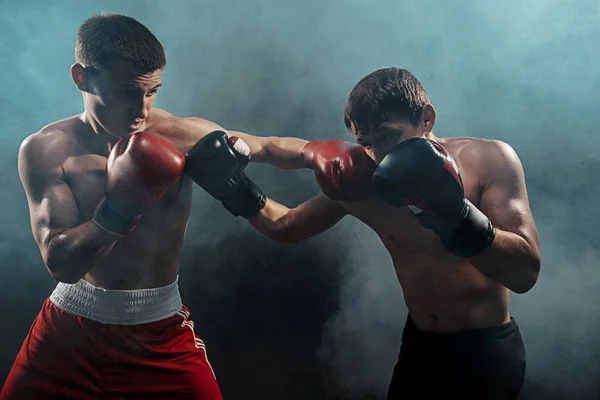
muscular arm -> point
(285, 225)
(282, 152)
(69, 249)
(513, 259)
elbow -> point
(61, 272)
(523, 287)
(533, 271)
(58, 268)
(64, 278)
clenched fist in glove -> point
(420, 173)
(139, 170)
(216, 163)
(344, 171)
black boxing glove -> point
(216, 163)
(421, 174)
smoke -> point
(324, 318)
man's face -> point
(120, 98)
(381, 140)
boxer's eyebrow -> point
(387, 130)
(129, 85)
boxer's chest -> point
(86, 176)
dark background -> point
(322, 319)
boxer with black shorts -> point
(453, 214)
(109, 203)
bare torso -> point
(443, 293)
(149, 256)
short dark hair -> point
(105, 37)
(382, 95)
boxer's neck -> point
(102, 138)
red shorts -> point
(70, 357)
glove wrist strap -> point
(247, 201)
(111, 219)
(474, 235)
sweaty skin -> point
(62, 168)
(443, 293)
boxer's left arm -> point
(513, 259)
(282, 152)
(292, 225)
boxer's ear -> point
(428, 116)
(78, 73)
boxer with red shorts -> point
(453, 214)
(109, 202)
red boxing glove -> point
(139, 170)
(344, 170)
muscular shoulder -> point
(41, 159)
(47, 148)
(54, 141)
(182, 132)
(171, 124)
(492, 159)
(496, 158)
(486, 151)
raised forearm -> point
(71, 253)
(310, 218)
(510, 261)
(272, 221)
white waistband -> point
(118, 307)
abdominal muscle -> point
(447, 294)
(443, 293)
(132, 266)
(149, 256)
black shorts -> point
(480, 364)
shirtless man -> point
(453, 214)
(111, 232)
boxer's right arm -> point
(69, 249)
(285, 225)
